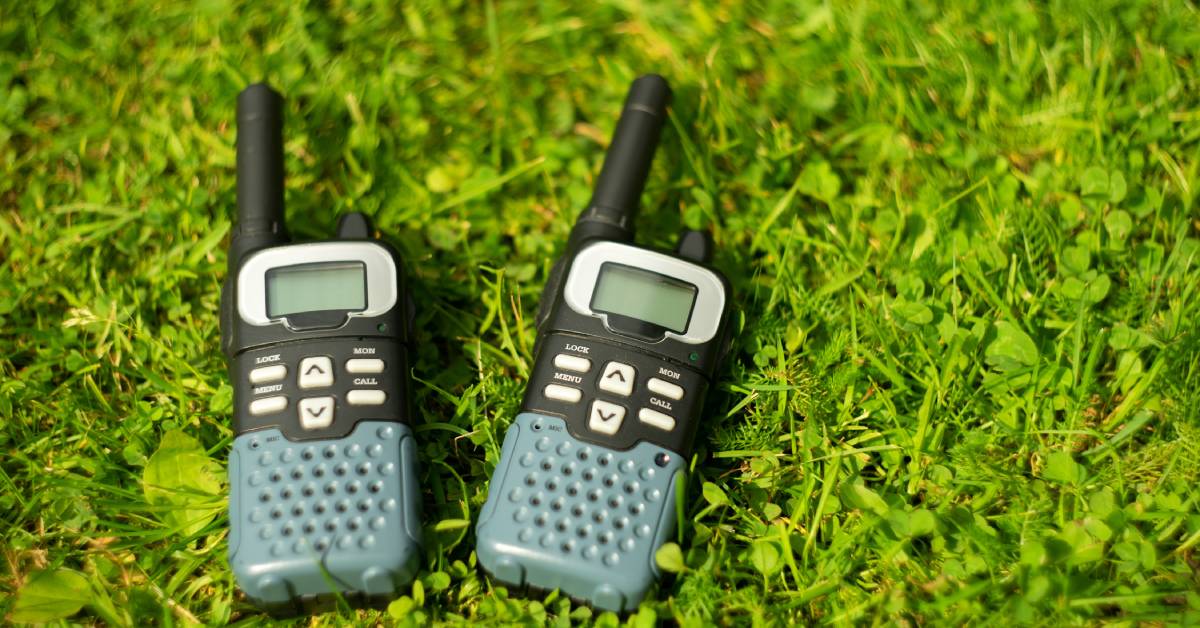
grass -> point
(964, 240)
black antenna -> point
(259, 171)
(614, 203)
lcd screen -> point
(316, 287)
(644, 295)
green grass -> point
(964, 241)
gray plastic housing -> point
(308, 519)
(577, 517)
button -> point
(665, 388)
(618, 378)
(657, 419)
(366, 397)
(364, 365)
(265, 374)
(316, 372)
(268, 405)
(568, 362)
(563, 393)
(316, 412)
(606, 417)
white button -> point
(563, 393)
(657, 419)
(265, 374)
(366, 397)
(316, 372)
(568, 362)
(664, 388)
(618, 378)
(268, 405)
(364, 365)
(606, 417)
(316, 412)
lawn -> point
(964, 242)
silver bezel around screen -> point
(710, 292)
(252, 279)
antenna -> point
(259, 171)
(614, 203)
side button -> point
(268, 405)
(366, 397)
(656, 419)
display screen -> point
(316, 287)
(644, 295)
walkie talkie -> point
(628, 343)
(323, 496)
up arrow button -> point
(617, 378)
(316, 372)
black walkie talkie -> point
(323, 494)
(628, 342)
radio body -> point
(629, 340)
(323, 493)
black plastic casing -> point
(388, 335)
(559, 325)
